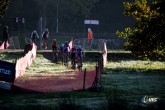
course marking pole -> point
(84, 79)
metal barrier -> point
(14, 43)
(95, 43)
(28, 40)
(97, 86)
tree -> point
(146, 37)
(84, 6)
(69, 12)
(3, 7)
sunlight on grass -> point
(137, 65)
(41, 64)
(124, 74)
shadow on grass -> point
(118, 100)
(125, 55)
(134, 70)
(113, 56)
(12, 56)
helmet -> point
(62, 45)
(66, 41)
(79, 47)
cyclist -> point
(79, 56)
(66, 49)
(55, 49)
(73, 57)
(62, 52)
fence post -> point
(84, 79)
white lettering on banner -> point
(4, 71)
(87, 21)
(96, 22)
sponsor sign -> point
(95, 22)
(7, 71)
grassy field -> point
(126, 80)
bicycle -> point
(79, 64)
(65, 59)
(44, 43)
(55, 55)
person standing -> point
(45, 36)
(5, 36)
(90, 37)
(34, 36)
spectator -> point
(5, 36)
(34, 36)
(45, 36)
(90, 37)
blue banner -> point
(7, 71)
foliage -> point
(3, 7)
(70, 12)
(71, 15)
(146, 37)
(84, 6)
(67, 11)
(79, 7)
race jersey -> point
(66, 46)
(79, 53)
(54, 43)
(62, 49)
(73, 53)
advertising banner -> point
(7, 71)
(95, 22)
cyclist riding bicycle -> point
(66, 49)
(62, 53)
(79, 56)
(73, 57)
(55, 49)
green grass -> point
(126, 79)
(137, 65)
